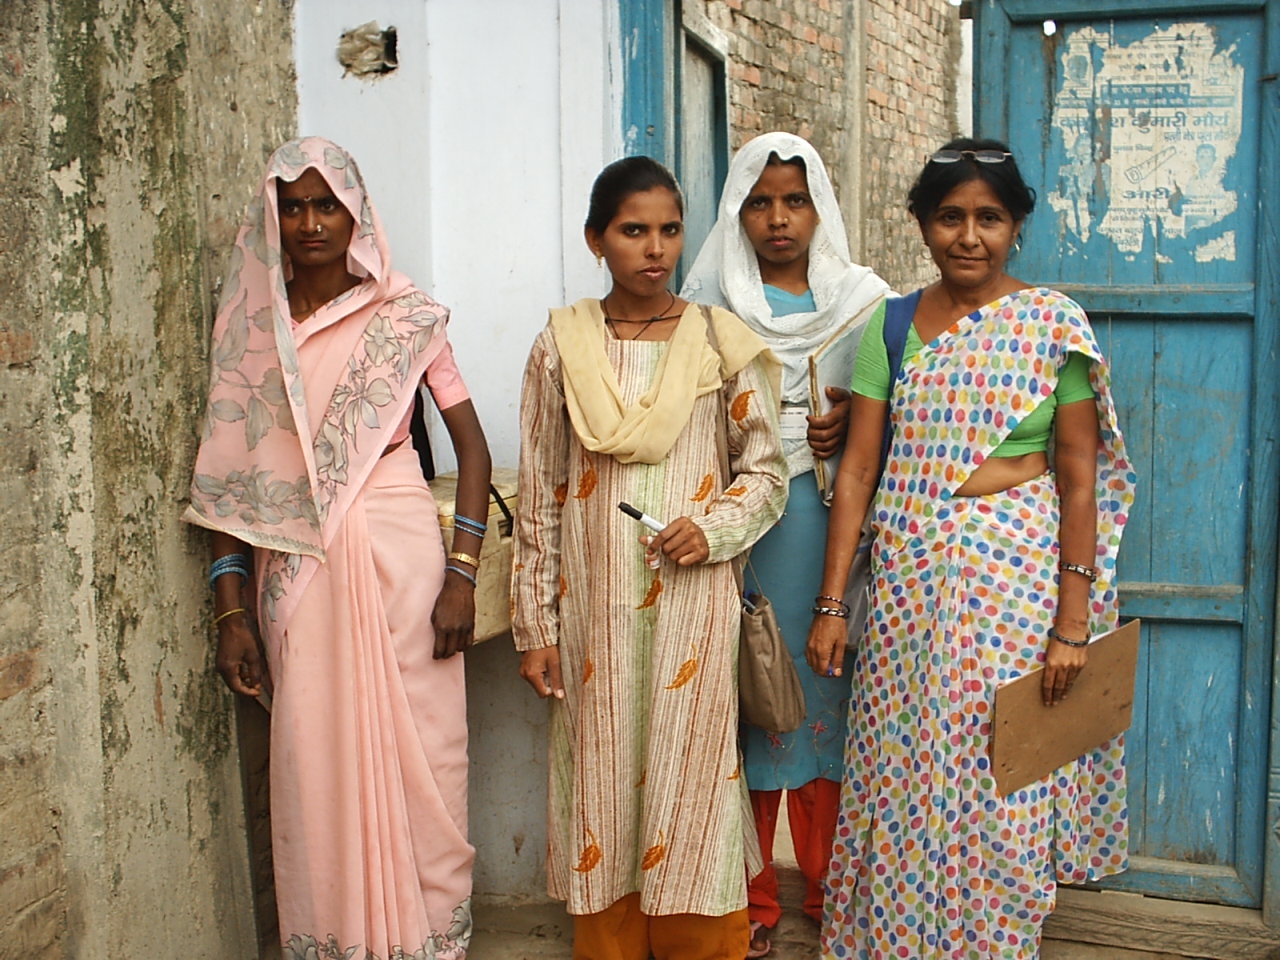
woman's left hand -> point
(454, 617)
(681, 540)
(827, 432)
(1062, 665)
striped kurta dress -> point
(646, 787)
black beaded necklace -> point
(644, 324)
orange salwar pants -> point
(621, 932)
(811, 811)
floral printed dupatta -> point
(284, 453)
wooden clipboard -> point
(1029, 740)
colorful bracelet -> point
(832, 612)
(465, 558)
(1089, 572)
(460, 572)
(1055, 635)
(467, 525)
(836, 600)
(229, 613)
(231, 563)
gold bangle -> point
(465, 558)
(230, 613)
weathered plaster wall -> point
(871, 83)
(32, 871)
(130, 134)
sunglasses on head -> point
(980, 156)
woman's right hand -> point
(238, 658)
(827, 432)
(825, 650)
(541, 668)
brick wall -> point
(912, 48)
(793, 65)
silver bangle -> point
(1090, 573)
(1055, 635)
(832, 612)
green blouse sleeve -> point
(1073, 380)
(871, 367)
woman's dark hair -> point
(620, 180)
(797, 161)
(937, 180)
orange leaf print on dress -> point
(741, 403)
(589, 859)
(651, 597)
(588, 669)
(586, 484)
(686, 671)
(704, 488)
(736, 491)
(564, 585)
(653, 856)
(562, 493)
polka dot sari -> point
(929, 862)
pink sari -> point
(368, 732)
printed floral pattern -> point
(929, 862)
(389, 348)
(269, 469)
(449, 945)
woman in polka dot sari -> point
(988, 564)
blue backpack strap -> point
(898, 314)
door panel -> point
(1144, 135)
(701, 164)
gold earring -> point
(599, 260)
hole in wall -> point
(368, 51)
(1050, 28)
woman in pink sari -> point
(318, 349)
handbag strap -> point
(722, 446)
(898, 314)
(502, 505)
(722, 437)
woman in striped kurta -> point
(650, 830)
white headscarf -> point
(727, 273)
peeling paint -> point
(68, 180)
(117, 136)
(1149, 128)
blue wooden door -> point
(674, 107)
(1150, 133)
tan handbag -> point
(769, 691)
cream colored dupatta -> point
(645, 431)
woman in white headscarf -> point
(778, 257)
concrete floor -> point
(545, 932)
(506, 931)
